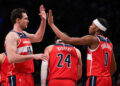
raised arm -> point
(85, 40)
(79, 66)
(11, 49)
(113, 64)
(38, 36)
(44, 67)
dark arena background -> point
(71, 16)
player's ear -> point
(17, 19)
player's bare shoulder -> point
(12, 35)
(49, 48)
(78, 52)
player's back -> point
(99, 60)
(63, 62)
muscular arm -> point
(79, 66)
(113, 65)
(85, 40)
(44, 67)
(11, 49)
(38, 36)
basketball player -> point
(101, 63)
(3, 69)
(65, 65)
(19, 49)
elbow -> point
(39, 39)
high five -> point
(101, 63)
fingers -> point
(44, 57)
(50, 12)
(50, 18)
(42, 12)
(42, 8)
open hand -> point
(42, 12)
(50, 18)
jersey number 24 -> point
(66, 60)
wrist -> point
(51, 25)
(43, 20)
(32, 56)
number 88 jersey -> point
(99, 59)
(63, 62)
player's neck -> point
(17, 28)
(97, 33)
